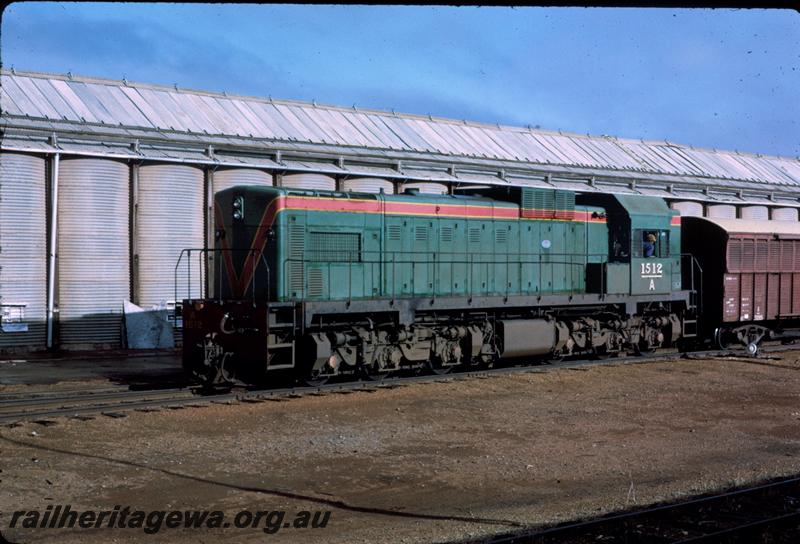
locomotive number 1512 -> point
(652, 270)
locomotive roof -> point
(409, 197)
(414, 197)
(95, 116)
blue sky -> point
(727, 79)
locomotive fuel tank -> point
(531, 337)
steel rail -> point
(88, 397)
(632, 527)
(41, 406)
(75, 391)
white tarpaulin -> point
(147, 329)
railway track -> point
(767, 512)
(86, 403)
(45, 407)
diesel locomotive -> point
(319, 284)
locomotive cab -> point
(643, 246)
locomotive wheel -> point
(556, 357)
(600, 353)
(439, 369)
(721, 338)
(643, 348)
(369, 374)
(474, 364)
(315, 380)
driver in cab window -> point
(649, 245)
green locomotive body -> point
(324, 283)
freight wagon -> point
(320, 283)
(751, 277)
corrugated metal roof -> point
(167, 111)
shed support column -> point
(134, 240)
(211, 258)
(51, 278)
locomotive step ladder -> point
(275, 322)
(689, 324)
(689, 328)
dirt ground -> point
(421, 463)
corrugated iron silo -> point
(225, 178)
(721, 211)
(368, 185)
(426, 187)
(23, 250)
(688, 208)
(93, 250)
(757, 213)
(169, 219)
(784, 214)
(319, 182)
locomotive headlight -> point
(238, 208)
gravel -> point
(423, 463)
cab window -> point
(651, 243)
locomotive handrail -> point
(432, 261)
(695, 289)
(203, 252)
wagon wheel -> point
(753, 340)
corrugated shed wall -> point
(784, 214)
(93, 250)
(721, 211)
(688, 208)
(309, 181)
(169, 219)
(426, 188)
(367, 185)
(225, 178)
(23, 250)
(754, 213)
